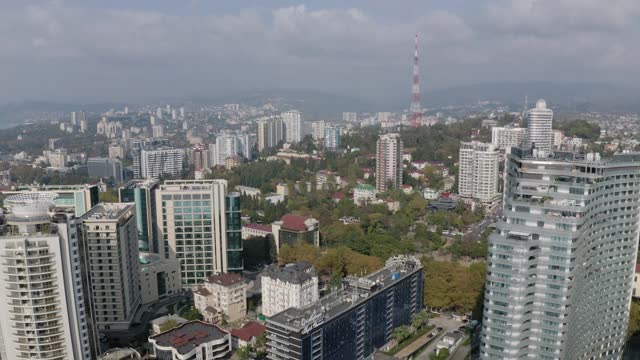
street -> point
(445, 322)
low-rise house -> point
(223, 295)
(252, 230)
(449, 341)
(247, 335)
(191, 340)
(364, 194)
(292, 229)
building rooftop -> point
(297, 222)
(120, 354)
(109, 211)
(354, 291)
(225, 279)
(250, 330)
(365, 187)
(295, 273)
(260, 227)
(188, 336)
(133, 184)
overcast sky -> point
(97, 50)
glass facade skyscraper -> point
(234, 233)
(561, 262)
(351, 323)
(142, 193)
(192, 227)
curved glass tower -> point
(561, 262)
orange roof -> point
(249, 330)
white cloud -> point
(298, 46)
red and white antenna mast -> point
(415, 110)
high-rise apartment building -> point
(332, 137)
(351, 117)
(192, 227)
(43, 312)
(539, 127)
(561, 261)
(294, 126)
(317, 130)
(106, 169)
(157, 131)
(389, 162)
(199, 157)
(161, 162)
(142, 194)
(353, 322)
(270, 132)
(505, 137)
(478, 172)
(227, 145)
(112, 265)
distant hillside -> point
(569, 96)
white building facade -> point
(294, 285)
(539, 127)
(506, 137)
(478, 172)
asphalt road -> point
(448, 324)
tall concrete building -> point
(294, 126)
(105, 168)
(539, 127)
(43, 310)
(317, 129)
(142, 194)
(157, 131)
(478, 172)
(199, 157)
(561, 261)
(270, 132)
(350, 117)
(161, 162)
(389, 162)
(332, 137)
(505, 137)
(112, 266)
(192, 227)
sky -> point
(132, 50)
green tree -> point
(192, 314)
(401, 333)
(443, 354)
(244, 352)
(420, 319)
(168, 325)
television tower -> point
(415, 110)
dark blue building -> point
(234, 232)
(352, 323)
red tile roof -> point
(638, 268)
(260, 227)
(294, 222)
(338, 195)
(225, 279)
(251, 329)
